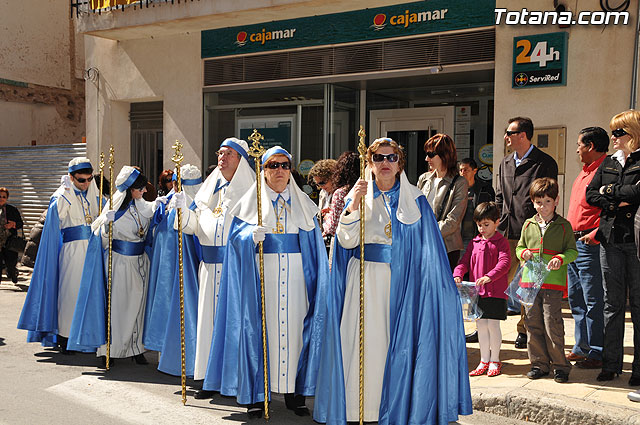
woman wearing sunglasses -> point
(131, 218)
(414, 349)
(615, 188)
(446, 192)
(49, 307)
(296, 276)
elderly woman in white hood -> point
(131, 216)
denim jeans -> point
(586, 299)
(620, 271)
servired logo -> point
(379, 21)
(241, 38)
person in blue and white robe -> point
(162, 311)
(415, 362)
(51, 300)
(131, 216)
(295, 280)
(209, 221)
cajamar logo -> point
(379, 21)
(263, 36)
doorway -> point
(411, 128)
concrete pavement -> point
(40, 385)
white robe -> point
(72, 209)
(376, 337)
(211, 231)
(128, 287)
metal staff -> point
(362, 149)
(177, 159)
(112, 161)
(101, 181)
(256, 152)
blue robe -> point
(426, 377)
(236, 359)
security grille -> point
(419, 52)
(32, 174)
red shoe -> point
(495, 371)
(480, 370)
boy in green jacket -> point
(549, 237)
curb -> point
(545, 408)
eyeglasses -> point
(378, 157)
(618, 132)
(512, 132)
(431, 154)
(273, 165)
(83, 180)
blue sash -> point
(212, 254)
(76, 233)
(375, 252)
(281, 243)
(128, 248)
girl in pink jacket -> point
(487, 260)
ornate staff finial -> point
(256, 150)
(177, 157)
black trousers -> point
(10, 259)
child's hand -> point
(527, 255)
(483, 280)
(457, 280)
(554, 264)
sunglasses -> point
(512, 132)
(4, 197)
(320, 183)
(82, 180)
(618, 132)
(274, 165)
(431, 154)
(378, 157)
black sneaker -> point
(561, 376)
(536, 373)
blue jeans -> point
(586, 299)
(620, 271)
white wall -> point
(598, 86)
(151, 69)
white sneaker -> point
(634, 395)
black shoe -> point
(561, 376)
(634, 381)
(536, 373)
(606, 375)
(203, 394)
(14, 276)
(521, 341)
(140, 359)
(472, 337)
(254, 411)
(297, 404)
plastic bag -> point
(469, 300)
(534, 272)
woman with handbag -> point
(446, 192)
(10, 222)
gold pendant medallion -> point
(217, 212)
(141, 232)
(387, 230)
(88, 219)
(279, 228)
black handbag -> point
(16, 243)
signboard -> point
(369, 24)
(540, 60)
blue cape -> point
(171, 357)
(40, 311)
(426, 377)
(235, 365)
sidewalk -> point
(582, 400)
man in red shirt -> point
(586, 296)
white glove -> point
(111, 216)
(66, 181)
(259, 233)
(161, 200)
(181, 200)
